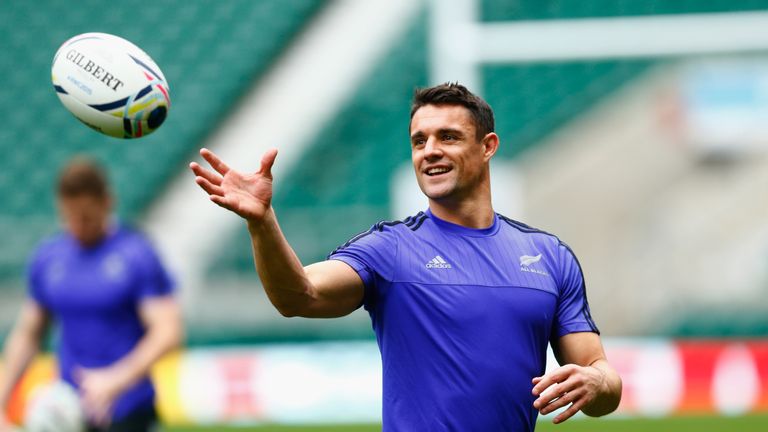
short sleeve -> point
(371, 254)
(573, 314)
(35, 271)
(152, 279)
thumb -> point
(266, 163)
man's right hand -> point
(248, 195)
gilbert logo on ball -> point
(110, 85)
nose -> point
(432, 149)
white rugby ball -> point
(54, 407)
(110, 85)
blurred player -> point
(113, 301)
(463, 300)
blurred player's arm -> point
(585, 381)
(161, 317)
(22, 345)
(325, 289)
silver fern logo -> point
(526, 261)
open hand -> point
(248, 195)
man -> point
(463, 300)
(105, 287)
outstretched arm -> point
(325, 289)
(586, 381)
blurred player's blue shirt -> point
(94, 294)
(463, 317)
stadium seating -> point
(210, 52)
(508, 10)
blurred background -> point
(637, 131)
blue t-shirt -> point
(463, 317)
(94, 293)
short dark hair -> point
(83, 176)
(456, 94)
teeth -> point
(433, 171)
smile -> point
(437, 171)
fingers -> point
(215, 192)
(543, 382)
(222, 168)
(214, 161)
(554, 397)
(553, 402)
(208, 187)
(266, 163)
(568, 413)
(570, 387)
(199, 171)
(222, 201)
(98, 414)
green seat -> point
(210, 52)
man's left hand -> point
(569, 384)
(99, 390)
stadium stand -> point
(510, 10)
(210, 53)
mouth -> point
(436, 171)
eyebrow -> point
(419, 134)
(450, 131)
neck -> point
(467, 214)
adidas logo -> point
(438, 263)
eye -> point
(418, 142)
(449, 137)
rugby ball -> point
(54, 407)
(110, 85)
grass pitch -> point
(751, 423)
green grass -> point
(279, 428)
(752, 423)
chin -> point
(438, 195)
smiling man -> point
(463, 301)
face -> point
(449, 160)
(86, 217)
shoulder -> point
(541, 239)
(385, 231)
(519, 229)
(411, 223)
(49, 246)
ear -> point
(490, 144)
